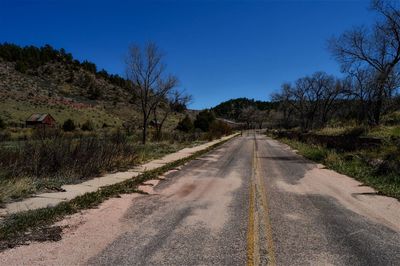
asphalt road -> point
(253, 201)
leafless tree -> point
(285, 107)
(247, 115)
(146, 71)
(167, 106)
(359, 88)
(331, 90)
(260, 116)
(377, 48)
(311, 98)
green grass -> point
(334, 131)
(384, 131)
(353, 164)
(156, 150)
(15, 228)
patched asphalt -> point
(197, 216)
(200, 215)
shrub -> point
(21, 67)
(185, 125)
(67, 158)
(219, 128)
(5, 135)
(43, 133)
(355, 132)
(204, 120)
(69, 125)
(392, 119)
(87, 126)
(2, 124)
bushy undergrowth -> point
(378, 168)
(383, 131)
(57, 160)
(219, 129)
(14, 228)
(52, 158)
(65, 156)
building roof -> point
(37, 117)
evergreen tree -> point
(204, 120)
(69, 125)
(185, 125)
(2, 124)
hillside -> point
(232, 109)
(46, 80)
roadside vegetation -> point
(46, 161)
(36, 225)
(103, 122)
(378, 167)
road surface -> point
(252, 201)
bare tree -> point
(260, 116)
(285, 107)
(359, 88)
(377, 48)
(331, 91)
(174, 100)
(247, 115)
(146, 71)
(312, 98)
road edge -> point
(23, 227)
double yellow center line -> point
(258, 217)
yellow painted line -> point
(267, 221)
(250, 230)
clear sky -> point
(218, 49)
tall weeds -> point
(72, 158)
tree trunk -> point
(378, 108)
(158, 132)
(144, 131)
(382, 80)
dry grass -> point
(46, 164)
(14, 111)
(382, 131)
(378, 168)
(14, 229)
(16, 188)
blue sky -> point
(218, 49)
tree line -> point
(232, 109)
(369, 58)
(29, 58)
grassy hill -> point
(46, 80)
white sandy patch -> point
(211, 196)
(350, 193)
(84, 235)
(148, 186)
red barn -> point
(40, 120)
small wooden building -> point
(40, 120)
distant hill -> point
(232, 109)
(47, 80)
